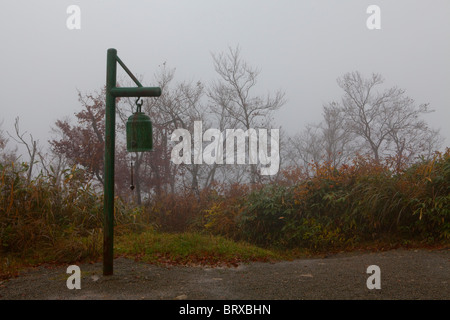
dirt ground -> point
(405, 274)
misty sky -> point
(301, 47)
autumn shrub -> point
(224, 207)
(262, 216)
(372, 201)
(337, 207)
(42, 213)
(369, 200)
(318, 220)
(426, 186)
(175, 212)
(413, 203)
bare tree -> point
(431, 141)
(189, 98)
(54, 166)
(381, 118)
(31, 146)
(7, 156)
(3, 139)
(413, 142)
(233, 95)
(337, 140)
(328, 141)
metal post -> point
(110, 125)
(110, 128)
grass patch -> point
(189, 249)
(149, 246)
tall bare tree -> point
(381, 117)
(383, 123)
(233, 95)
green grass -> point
(149, 246)
(189, 249)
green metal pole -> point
(110, 125)
(110, 129)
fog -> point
(301, 47)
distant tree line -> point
(382, 123)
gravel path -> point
(405, 274)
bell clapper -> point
(132, 183)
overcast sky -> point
(301, 47)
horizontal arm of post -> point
(136, 92)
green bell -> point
(139, 132)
